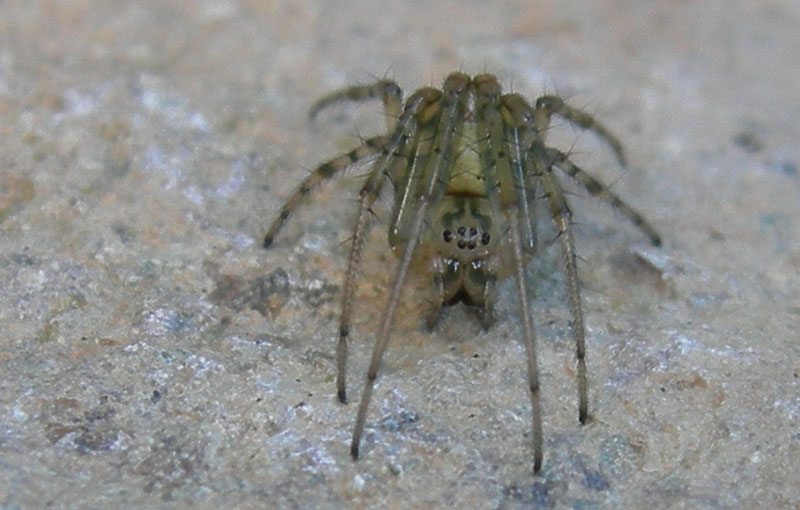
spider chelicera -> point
(467, 163)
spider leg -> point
(389, 92)
(499, 160)
(369, 148)
(598, 189)
(520, 114)
(449, 110)
(562, 216)
(392, 155)
(546, 106)
(409, 184)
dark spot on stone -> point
(400, 420)
(24, 259)
(749, 142)
(595, 480)
(789, 168)
(536, 495)
(123, 231)
(265, 294)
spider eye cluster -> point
(466, 238)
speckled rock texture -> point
(154, 355)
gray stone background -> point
(154, 355)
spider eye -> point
(485, 238)
(461, 244)
(447, 236)
(461, 231)
(473, 231)
(471, 245)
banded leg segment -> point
(546, 106)
(538, 120)
(408, 183)
(387, 90)
(370, 147)
(541, 163)
(517, 114)
(447, 110)
(499, 157)
(598, 189)
(394, 154)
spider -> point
(467, 163)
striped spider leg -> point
(466, 162)
(391, 95)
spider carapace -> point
(467, 163)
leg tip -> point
(342, 396)
(537, 465)
(267, 242)
(487, 319)
(354, 451)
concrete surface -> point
(153, 355)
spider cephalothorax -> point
(467, 162)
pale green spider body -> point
(466, 162)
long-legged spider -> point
(466, 162)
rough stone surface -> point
(154, 355)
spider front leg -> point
(439, 116)
(393, 156)
(499, 133)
